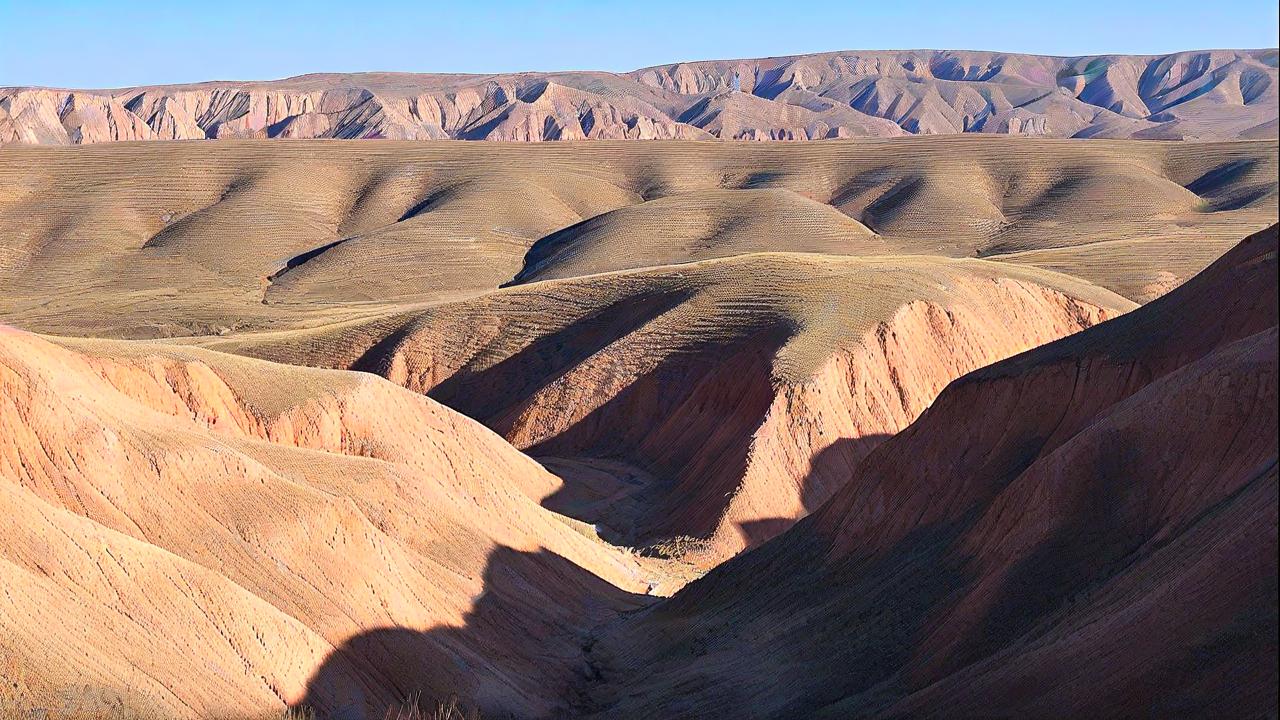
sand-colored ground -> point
(198, 532)
(679, 350)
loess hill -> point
(173, 239)
(702, 409)
(800, 370)
(197, 534)
(702, 340)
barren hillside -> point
(716, 402)
(175, 239)
(199, 533)
(1084, 530)
(702, 340)
(331, 425)
(236, 535)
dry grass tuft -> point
(450, 709)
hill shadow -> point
(754, 617)
(514, 656)
(484, 394)
(686, 426)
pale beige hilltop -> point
(1210, 94)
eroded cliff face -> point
(1069, 531)
(512, 108)
(816, 432)
(207, 535)
(1213, 94)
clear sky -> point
(112, 43)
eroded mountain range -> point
(1217, 94)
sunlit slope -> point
(197, 534)
(699, 225)
(1192, 95)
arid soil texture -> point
(906, 427)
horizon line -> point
(621, 73)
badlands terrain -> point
(963, 426)
(1211, 94)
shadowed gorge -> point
(394, 665)
(970, 567)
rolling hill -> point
(175, 239)
(877, 427)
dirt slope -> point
(695, 345)
(1212, 94)
(704, 407)
(1087, 529)
(198, 534)
(699, 225)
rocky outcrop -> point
(1086, 529)
(1193, 95)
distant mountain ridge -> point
(1212, 94)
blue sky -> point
(101, 43)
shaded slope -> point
(702, 408)
(731, 115)
(1087, 529)
(196, 533)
